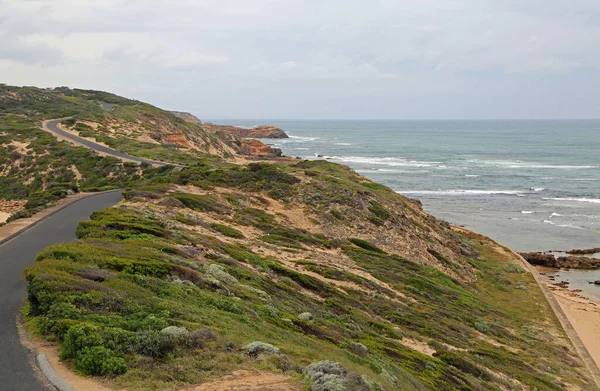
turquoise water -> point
(533, 185)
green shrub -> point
(79, 337)
(379, 211)
(227, 231)
(512, 268)
(99, 360)
(154, 343)
(202, 203)
(366, 245)
(336, 214)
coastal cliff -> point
(187, 117)
(265, 131)
(299, 268)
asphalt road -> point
(16, 366)
(53, 127)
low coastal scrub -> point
(227, 230)
(138, 296)
(218, 267)
(42, 170)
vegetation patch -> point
(227, 230)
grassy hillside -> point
(299, 267)
(290, 268)
(34, 166)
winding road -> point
(17, 371)
(52, 126)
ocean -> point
(532, 185)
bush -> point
(227, 231)
(154, 344)
(379, 211)
(332, 376)
(306, 317)
(78, 338)
(219, 272)
(177, 333)
(512, 268)
(358, 348)
(99, 360)
(198, 338)
(202, 203)
(258, 348)
(366, 245)
(336, 214)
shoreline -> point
(579, 330)
(583, 313)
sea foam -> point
(589, 200)
(461, 192)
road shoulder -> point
(12, 229)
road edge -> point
(50, 374)
(42, 218)
(44, 367)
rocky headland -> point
(571, 262)
(265, 131)
(258, 149)
(187, 117)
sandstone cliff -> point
(256, 132)
(187, 117)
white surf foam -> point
(384, 161)
(299, 138)
(522, 164)
(462, 192)
(563, 225)
(589, 200)
(527, 212)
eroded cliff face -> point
(175, 139)
(265, 131)
(257, 148)
(187, 117)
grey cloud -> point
(323, 57)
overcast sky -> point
(344, 59)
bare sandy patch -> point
(4, 216)
(419, 346)
(20, 147)
(250, 381)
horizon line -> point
(394, 119)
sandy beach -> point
(584, 315)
